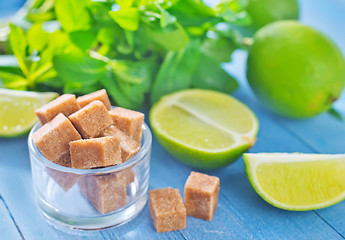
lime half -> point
(297, 181)
(17, 110)
(202, 128)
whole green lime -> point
(295, 70)
(263, 12)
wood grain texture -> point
(8, 227)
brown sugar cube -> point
(128, 146)
(65, 104)
(167, 210)
(128, 121)
(65, 180)
(201, 195)
(105, 192)
(53, 138)
(91, 119)
(95, 152)
(64, 159)
(127, 174)
(100, 95)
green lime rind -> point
(251, 175)
(198, 157)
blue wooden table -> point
(241, 213)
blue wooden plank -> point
(139, 228)
(8, 228)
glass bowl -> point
(91, 199)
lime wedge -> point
(17, 110)
(202, 128)
(297, 181)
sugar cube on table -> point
(91, 119)
(106, 192)
(201, 195)
(167, 209)
(53, 138)
(128, 121)
(100, 95)
(65, 104)
(129, 147)
(95, 152)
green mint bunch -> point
(137, 49)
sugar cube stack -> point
(85, 133)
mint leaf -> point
(336, 114)
(37, 38)
(73, 15)
(125, 3)
(19, 45)
(108, 36)
(83, 39)
(134, 78)
(175, 73)
(127, 18)
(81, 88)
(219, 48)
(133, 72)
(18, 41)
(78, 68)
(109, 82)
(210, 75)
(172, 37)
(13, 81)
(194, 7)
(166, 18)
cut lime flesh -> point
(202, 128)
(17, 110)
(297, 181)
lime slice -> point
(17, 110)
(297, 181)
(204, 129)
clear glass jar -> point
(91, 199)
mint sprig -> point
(133, 48)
